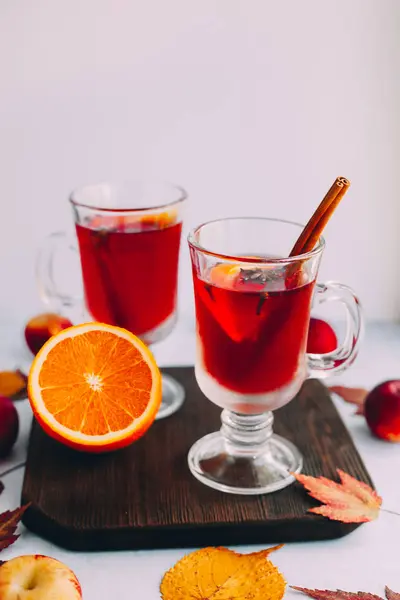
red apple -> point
(321, 337)
(382, 410)
(9, 426)
(41, 328)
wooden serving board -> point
(145, 496)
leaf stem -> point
(390, 512)
(12, 469)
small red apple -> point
(321, 337)
(9, 426)
(382, 410)
(41, 328)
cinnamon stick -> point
(313, 230)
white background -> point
(253, 106)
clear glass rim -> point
(180, 193)
(193, 243)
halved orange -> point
(95, 387)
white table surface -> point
(367, 559)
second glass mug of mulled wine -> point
(128, 238)
(252, 314)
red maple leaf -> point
(341, 595)
(8, 524)
(350, 501)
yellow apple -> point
(36, 577)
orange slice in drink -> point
(159, 220)
(95, 387)
(225, 275)
(228, 299)
(137, 222)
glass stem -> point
(246, 434)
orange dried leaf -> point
(350, 501)
(221, 574)
(8, 524)
(336, 594)
(13, 384)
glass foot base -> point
(173, 395)
(213, 463)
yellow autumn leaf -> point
(221, 574)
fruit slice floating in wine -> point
(230, 286)
(132, 223)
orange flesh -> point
(84, 391)
(157, 220)
(224, 275)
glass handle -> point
(48, 281)
(325, 365)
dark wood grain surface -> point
(145, 497)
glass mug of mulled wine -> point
(128, 238)
(252, 315)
